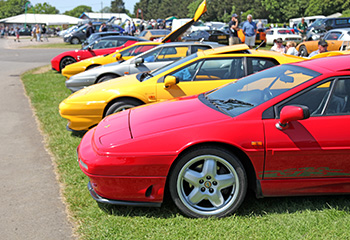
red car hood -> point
(154, 118)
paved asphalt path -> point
(30, 204)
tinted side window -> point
(258, 64)
(330, 98)
(172, 53)
(225, 68)
(187, 73)
(196, 48)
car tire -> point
(200, 191)
(303, 51)
(106, 78)
(75, 40)
(122, 105)
(66, 61)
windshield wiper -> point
(144, 75)
(236, 101)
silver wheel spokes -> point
(202, 181)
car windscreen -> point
(251, 91)
(170, 66)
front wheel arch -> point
(303, 51)
(239, 153)
(92, 66)
(121, 99)
(108, 75)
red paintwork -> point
(132, 150)
(79, 55)
(291, 113)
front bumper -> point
(100, 199)
(81, 117)
(74, 84)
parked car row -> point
(264, 132)
(216, 121)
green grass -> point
(55, 45)
(326, 217)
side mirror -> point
(292, 113)
(118, 56)
(170, 81)
(138, 61)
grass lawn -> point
(325, 217)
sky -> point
(96, 5)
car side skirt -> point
(301, 187)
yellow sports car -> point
(131, 51)
(199, 72)
(305, 48)
(123, 54)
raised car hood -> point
(174, 35)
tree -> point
(76, 12)
(326, 7)
(118, 6)
(44, 8)
(11, 8)
(106, 10)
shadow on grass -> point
(251, 206)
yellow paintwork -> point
(333, 45)
(81, 66)
(86, 107)
(200, 10)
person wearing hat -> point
(322, 47)
(278, 46)
(233, 28)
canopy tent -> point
(48, 19)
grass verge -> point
(326, 217)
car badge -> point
(207, 184)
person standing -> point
(249, 30)
(38, 32)
(43, 31)
(128, 28)
(233, 27)
(17, 34)
(33, 33)
(103, 27)
(302, 27)
(89, 30)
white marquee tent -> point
(48, 19)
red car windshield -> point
(246, 93)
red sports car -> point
(281, 132)
(102, 46)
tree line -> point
(277, 11)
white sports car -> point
(284, 33)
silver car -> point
(147, 61)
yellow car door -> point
(199, 76)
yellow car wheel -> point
(122, 105)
